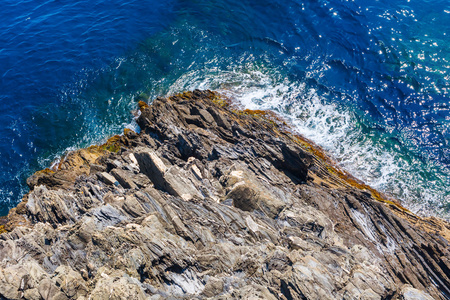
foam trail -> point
(333, 127)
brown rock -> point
(214, 203)
(123, 178)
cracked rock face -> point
(207, 202)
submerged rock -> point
(209, 202)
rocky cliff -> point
(211, 202)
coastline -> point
(272, 176)
(280, 126)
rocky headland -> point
(208, 201)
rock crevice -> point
(211, 202)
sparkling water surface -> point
(366, 80)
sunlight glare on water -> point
(368, 81)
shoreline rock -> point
(212, 202)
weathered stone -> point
(117, 288)
(71, 282)
(177, 183)
(249, 195)
(133, 207)
(220, 119)
(48, 290)
(206, 202)
(213, 287)
(141, 181)
(107, 215)
(107, 178)
(32, 294)
(151, 165)
(123, 179)
(410, 293)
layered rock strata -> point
(208, 202)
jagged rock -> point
(213, 287)
(107, 178)
(249, 195)
(152, 166)
(71, 282)
(123, 178)
(117, 287)
(48, 290)
(210, 202)
(410, 293)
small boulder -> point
(249, 194)
(123, 178)
(409, 293)
(107, 178)
(213, 287)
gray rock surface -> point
(211, 202)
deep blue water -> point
(367, 80)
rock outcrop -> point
(208, 202)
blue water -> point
(366, 80)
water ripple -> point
(368, 81)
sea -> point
(367, 80)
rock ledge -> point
(211, 202)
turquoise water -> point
(366, 80)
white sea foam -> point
(333, 127)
